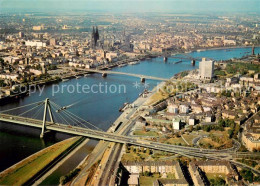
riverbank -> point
(26, 169)
(64, 160)
(223, 48)
(102, 152)
(94, 107)
(141, 58)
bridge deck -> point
(101, 135)
(124, 73)
(112, 137)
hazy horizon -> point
(131, 6)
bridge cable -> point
(20, 107)
(63, 119)
(78, 117)
(30, 110)
(75, 120)
(61, 115)
(70, 117)
(84, 121)
(37, 112)
(58, 116)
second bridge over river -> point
(142, 77)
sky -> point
(180, 6)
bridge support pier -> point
(142, 79)
(104, 75)
(46, 107)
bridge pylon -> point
(46, 107)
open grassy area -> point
(189, 137)
(143, 133)
(220, 143)
(160, 154)
(156, 97)
(174, 141)
(134, 156)
(215, 175)
(27, 168)
(208, 143)
(147, 180)
(171, 176)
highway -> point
(110, 167)
(121, 138)
(101, 135)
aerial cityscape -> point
(149, 93)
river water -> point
(99, 108)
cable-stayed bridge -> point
(48, 115)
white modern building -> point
(176, 123)
(173, 109)
(35, 44)
(206, 69)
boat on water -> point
(122, 65)
(178, 62)
(134, 63)
(86, 75)
(121, 109)
(77, 77)
(62, 108)
(64, 80)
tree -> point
(146, 173)
(247, 175)
(126, 148)
(148, 151)
(230, 133)
(217, 182)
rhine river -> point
(101, 109)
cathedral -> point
(94, 37)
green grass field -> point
(175, 141)
(143, 133)
(27, 168)
(189, 137)
(146, 181)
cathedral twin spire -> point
(95, 35)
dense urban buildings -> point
(127, 96)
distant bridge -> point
(143, 77)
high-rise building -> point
(206, 69)
(21, 34)
(53, 41)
